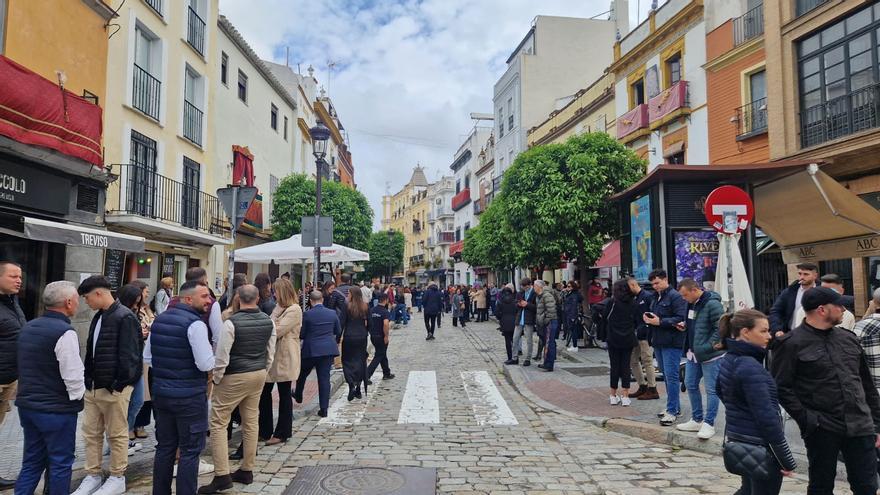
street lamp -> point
(390, 233)
(319, 134)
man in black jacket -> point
(11, 321)
(825, 384)
(525, 320)
(113, 364)
(784, 308)
(643, 354)
(433, 304)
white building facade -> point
(442, 231)
(464, 167)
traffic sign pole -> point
(729, 210)
(231, 270)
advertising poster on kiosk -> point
(696, 255)
(640, 233)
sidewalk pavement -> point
(140, 465)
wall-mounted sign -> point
(24, 185)
(640, 233)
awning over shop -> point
(812, 217)
(610, 255)
(76, 235)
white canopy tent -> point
(291, 250)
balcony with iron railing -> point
(844, 115)
(804, 6)
(439, 214)
(445, 238)
(418, 260)
(164, 203)
(192, 123)
(146, 92)
(479, 206)
(751, 119)
(195, 32)
(461, 199)
(155, 5)
(748, 26)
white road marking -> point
(345, 413)
(490, 408)
(421, 402)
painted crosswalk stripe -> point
(421, 402)
(490, 408)
(345, 413)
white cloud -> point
(408, 72)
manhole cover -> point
(349, 480)
(587, 371)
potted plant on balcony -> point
(428, 264)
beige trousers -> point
(7, 395)
(106, 412)
(643, 354)
(240, 390)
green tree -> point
(556, 198)
(386, 253)
(491, 242)
(295, 197)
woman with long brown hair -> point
(264, 284)
(354, 344)
(285, 367)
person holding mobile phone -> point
(667, 310)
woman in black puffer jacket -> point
(506, 310)
(749, 394)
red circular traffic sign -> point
(729, 209)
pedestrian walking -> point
(11, 320)
(642, 359)
(825, 384)
(481, 303)
(571, 306)
(668, 309)
(113, 365)
(50, 391)
(320, 330)
(287, 317)
(459, 308)
(163, 295)
(505, 312)
(753, 419)
(354, 345)
(783, 313)
(380, 336)
(525, 318)
(623, 317)
(180, 356)
(493, 294)
(433, 309)
(546, 318)
(245, 351)
(408, 302)
(704, 312)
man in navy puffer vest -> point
(181, 356)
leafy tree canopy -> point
(295, 197)
(386, 253)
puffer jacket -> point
(546, 308)
(11, 321)
(703, 327)
(750, 400)
(672, 310)
(571, 304)
(506, 311)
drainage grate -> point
(350, 480)
(587, 371)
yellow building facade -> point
(407, 212)
(589, 110)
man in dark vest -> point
(113, 364)
(211, 317)
(50, 391)
(245, 351)
(181, 356)
(11, 321)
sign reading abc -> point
(854, 247)
(22, 184)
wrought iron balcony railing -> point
(751, 119)
(748, 26)
(192, 123)
(847, 114)
(804, 6)
(155, 5)
(146, 92)
(195, 31)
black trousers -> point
(284, 429)
(760, 487)
(508, 343)
(539, 331)
(380, 357)
(859, 456)
(458, 319)
(181, 424)
(620, 371)
(431, 322)
(322, 364)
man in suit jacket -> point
(782, 313)
(320, 330)
(525, 321)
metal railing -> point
(155, 5)
(141, 191)
(804, 6)
(841, 116)
(496, 183)
(479, 207)
(445, 237)
(748, 26)
(417, 260)
(192, 123)
(195, 32)
(146, 92)
(751, 118)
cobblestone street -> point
(469, 443)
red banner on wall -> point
(36, 111)
(668, 101)
(631, 121)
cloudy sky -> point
(407, 73)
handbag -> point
(750, 457)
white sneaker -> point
(90, 484)
(625, 401)
(707, 431)
(668, 419)
(205, 468)
(691, 425)
(115, 485)
(572, 349)
(133, 447)
(614, 400)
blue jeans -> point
(401, 314)
(180, 424)
(49, 440)
(669, 358)
(550, 334)
(137, 400)
(693, 373)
